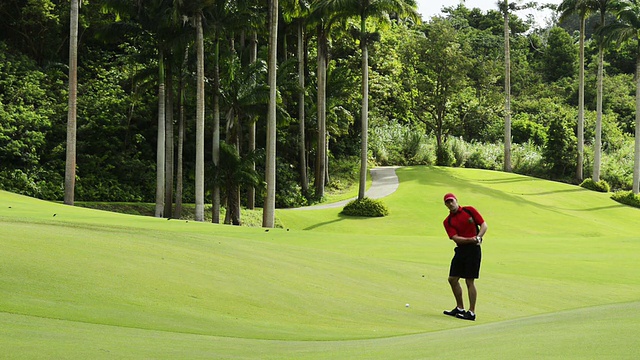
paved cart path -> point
(384, 182)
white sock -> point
(471, 312)
(459, 308)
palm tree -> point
(254, 17)
(582, 9)
(181, 125)
(602, 6)
(298, 12)
(160, 145)
(322, 29)
(70, 166)
(506, 8)
(244, 94)
(365, 9)
(628, 28)
(268, 212)
(217, 16)
(199, 190)
(154, 17)
(169, 148)
(235, 171)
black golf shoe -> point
(466, 315)
(455, 312)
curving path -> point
(384, 182)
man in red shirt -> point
(466, 227)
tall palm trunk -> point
(268, 213)
(365, 109)
(253, 57)
(70, 165)
(304, 183)
(636, 158)
(215, 208)
(597, 148)
(321, 108)
(507, 91)
(169, 149)
(160, 145)
(232, 188)
(579, 169)
(179, 175)
(199, 190)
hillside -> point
(558, 279)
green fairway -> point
(558, 280)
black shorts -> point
(466, 262)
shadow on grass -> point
(506, 181)
(556, 192)
(341, 217)
(601, 208)
(445, 178)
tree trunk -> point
(169, 155)
(268, 213)
(579, 169)
(253, 57)
(304, 183)
(70, 165)
(636, 158)
(215, 208)
(321, 108)
(179, 175)
(199, 190)
(597, 147)
(365, 111)
(160, 146)
(232, 188)
(507, 91)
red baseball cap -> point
(449, 196)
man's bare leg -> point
(473, 294)
(457, 290)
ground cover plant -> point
(558, 279)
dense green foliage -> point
(601, 186)
(366, 207)
(436, 95)
(627, 198)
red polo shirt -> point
(462, 223)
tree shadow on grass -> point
(556, 192)
(617, 206)
(341, 217)
(445, 178)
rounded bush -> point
(627, 198)
(365, 207)
(601, 186)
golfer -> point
(466, 227)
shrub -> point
(459, 151)
(523, 130)
(526, 159)
(411, 145)
(601, 186)
(627, 198)
(366, 207)
(560, 150)
(486, 156)
(617, 166)
(397, 144)
(444, 156)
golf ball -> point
(407, 305)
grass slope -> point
(558, 279)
